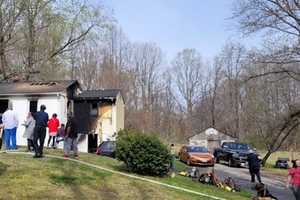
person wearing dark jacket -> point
(254, 167)
(71, 134)
(41, 120)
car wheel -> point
(217, 160)
(230, 163)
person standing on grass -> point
(70, 140)
(254, 167)
(294, 180)
(29, 131)
(53, 125)
(173, 168)
(10, 123)
(41, 122)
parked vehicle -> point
(107, 148)
(235, 154)
(282, 163)
(196, 155)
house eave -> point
(32, 94)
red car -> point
(196, 155)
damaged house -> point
(99, 113)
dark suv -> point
(235, 154)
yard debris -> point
(183, 173)
(210, 178)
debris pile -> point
(210, 178)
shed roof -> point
(99, 94)
(211, 133)
(35, 87)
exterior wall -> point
(106, 122)
(21, 107)
(120, 114)
(55, 104)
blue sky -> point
(178, 24)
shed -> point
(210, 138)
(63, 97)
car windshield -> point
(238, 146)
(195, 149)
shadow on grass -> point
(3, 168)
(66, 180)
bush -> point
(143, 154)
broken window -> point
(94, 109)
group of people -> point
(35, 131)
(293, 181)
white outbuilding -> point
(211, 139)
(63, 97)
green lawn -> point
(271, 162)
(25, 178)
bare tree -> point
(187, 67)
(10, 12)
(147, 58)
(277, 18)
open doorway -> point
(3, 105)
(33, 106)
(92, 143)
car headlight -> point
(236, 155)
(259, 157)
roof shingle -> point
(35, 87)
(98, 94)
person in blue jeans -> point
(10, 123)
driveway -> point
(275, 184)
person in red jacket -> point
(53, 125)
(294, 179)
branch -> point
(265, 74)
(71, 41)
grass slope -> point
(22, 177)
(272, 160)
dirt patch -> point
(107, 193)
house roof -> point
(99, 94)
(211, 133)
(35, 87)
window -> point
(94, 109)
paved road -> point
(275, 184)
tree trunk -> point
(266, 157)
(3, 61)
